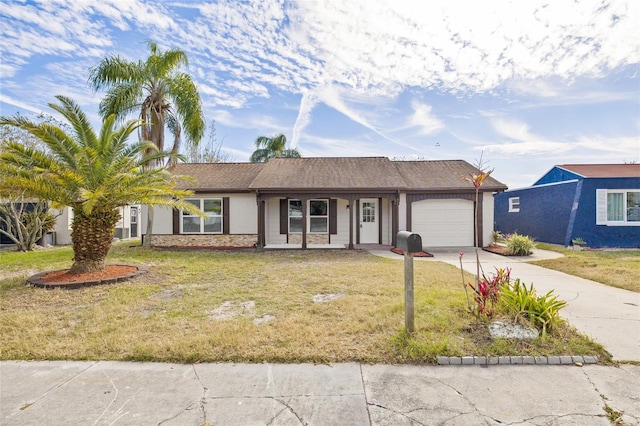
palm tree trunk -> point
(91, 237)
(149, 231)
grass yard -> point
(205, 306)
(620, 268)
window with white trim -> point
(192, 224)
(618, 207)
(317, 218)
(514, 204)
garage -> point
(443, 223)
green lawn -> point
(617, 268)
(247, 306)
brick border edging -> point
(36, 280)
(517, 360)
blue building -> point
(599, 203)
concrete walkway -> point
(123, 393)
(609, 315)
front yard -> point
(617, 268)
(285, 306)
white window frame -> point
(200, 205)
(309, 217)
(514, 204)
(602, 207)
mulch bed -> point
(418, 254)
(63, 279)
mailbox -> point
(408, 242)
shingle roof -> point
(329, 173)
(441, 175)
(217, 176)
(603, 170)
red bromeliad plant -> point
(487, 292)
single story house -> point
(127, 226)
(599, 203)
(327, 203)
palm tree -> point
(272, 147)
(93, 174)
(164, 97)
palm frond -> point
(188, 106)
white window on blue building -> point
(514, 204)
(618, 207)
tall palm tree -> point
(268, 147)
(164, 97)
(93, 174)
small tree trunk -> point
(91, 238)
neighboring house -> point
(599, 203)
(327, 202)
(127, 226)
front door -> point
(134, 222)
(369, 221)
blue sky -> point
(527, 85)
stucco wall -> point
(63, 226)
(603, 235)
(487, 217)
(544, 211)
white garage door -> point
(443, 223)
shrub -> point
(522, 302)
(519, 245)
(487, 291)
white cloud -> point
(424, 120)
(22, 105)
(377, 47)
(512, 129)
(308, 101)
(528, 148)
(522, 142)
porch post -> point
(304, 223)
(350, 200)
(358, 224)
(395, 213)
(261, 224)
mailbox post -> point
(409, 243)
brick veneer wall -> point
(218, 240)
(311, 239)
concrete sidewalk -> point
(609, 315)
(123, 393)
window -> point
(514, 204)
(318, 216)
(368, 212)
(295, 216)
(212, 207)
(618, 207)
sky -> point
(520, 85)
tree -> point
(268, 147)
(210, 152)
(93, 174)
(164, 97)
(25, 222)
(22, 220)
